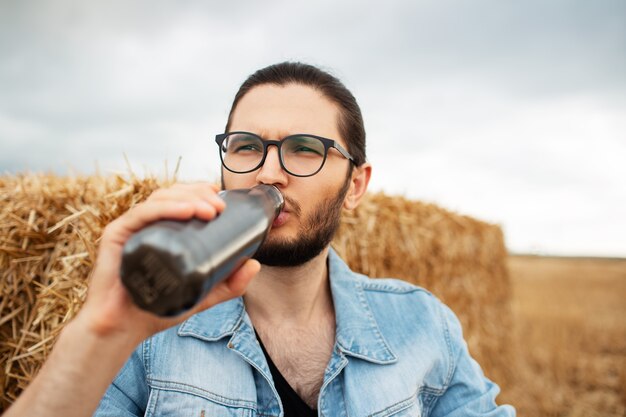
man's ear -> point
(358, 186)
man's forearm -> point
(76, 375)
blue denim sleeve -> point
(128, 394)
(469, 393)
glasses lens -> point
(241, 152)
(302, 155)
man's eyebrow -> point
(281, 135)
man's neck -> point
(293, 296)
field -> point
(569, 335)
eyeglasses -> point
(300, 155)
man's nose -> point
(271, 171)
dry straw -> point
(50, 226)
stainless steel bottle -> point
(169, 266)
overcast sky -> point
(510, 111)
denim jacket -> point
(398, 352)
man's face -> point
(313, 204)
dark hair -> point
(350, 123)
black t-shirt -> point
(292, 403)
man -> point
(308, 336)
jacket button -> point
(230, 345)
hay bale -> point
(50, 226)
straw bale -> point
(50, 226)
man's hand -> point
(108, 307)
(94, 346)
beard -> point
(313, 237)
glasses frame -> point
(328, 143)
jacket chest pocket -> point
(165, 402)
(407, 408)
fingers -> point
(202, 195)
(148, 212)
(179, 202)
(189, 192)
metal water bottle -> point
(168, 266)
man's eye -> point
(238, 147)
(305, 149)
(303, 146)
(247, 148)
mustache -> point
(293, 205)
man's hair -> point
(350, 122)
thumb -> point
(232, 287)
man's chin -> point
(285, 253)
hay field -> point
(570, 335)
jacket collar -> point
(215, 323)
(357, 332)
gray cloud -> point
(485, 107)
